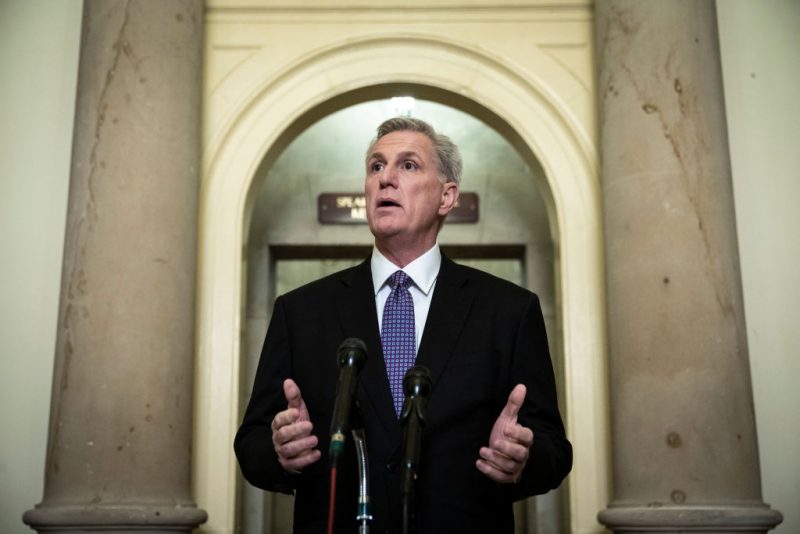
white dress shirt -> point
(423, 272)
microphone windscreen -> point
(352, 351)
(417, 381)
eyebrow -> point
(401, 155)
(375, 155)
(410, 153)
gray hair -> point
(448, 158)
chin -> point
(384, 231)
(383, 226)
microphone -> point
(351, 355)
(417, 387)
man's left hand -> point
(509, 443)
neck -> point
(402, 255)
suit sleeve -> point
(253, 442)
(550, 458)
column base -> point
(746, 518)
(129, 518)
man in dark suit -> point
(493, 431)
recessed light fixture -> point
(402, 106)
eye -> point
(409, 165)
(376, 166)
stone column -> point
(119, 449)
(684, 439)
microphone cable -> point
(332, 505)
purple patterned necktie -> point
(397, 335)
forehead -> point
(404, 142)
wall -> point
(39, 42)
(761, 71)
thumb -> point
(515, 400)
(292, 393)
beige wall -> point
(39, 42)
(38, 55)
(761, 70)
(525, 67)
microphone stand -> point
(417, 386)
(412, 441)
(350, 355)
(363, 516)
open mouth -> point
(388, 204)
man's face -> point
(405, 198)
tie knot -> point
(400, 280)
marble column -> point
(684, 440)
(119, 448)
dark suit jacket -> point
(482, 337)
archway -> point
(518, 106)
(510, 237)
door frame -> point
(521, 105)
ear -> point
(449, 198)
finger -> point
(296, 448)
(286, 417)
(502, 462)
(519, 434)
(292, 393)
(300, 462)
(287, 433)
(511, 449)
(515, 400)
(493, 473)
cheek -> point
(433, 197)
(369, 190)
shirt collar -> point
(423, 270)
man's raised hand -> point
(509, 443)
(291, 432)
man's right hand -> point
(291, 432)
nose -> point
(388, 178)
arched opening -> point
(513, 237)
(273, 110)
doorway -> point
(288, 246)
(538, 96)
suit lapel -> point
(448, 312)
(358, 317)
